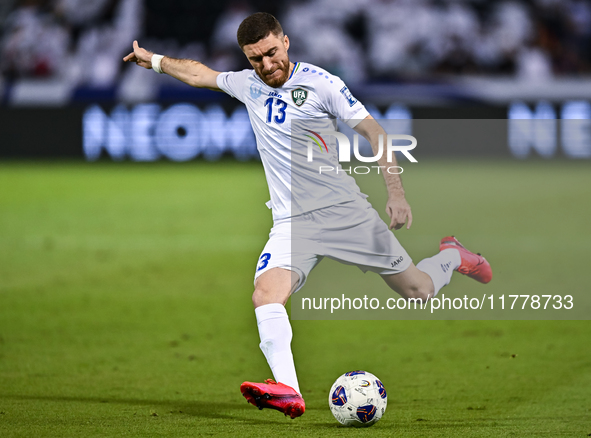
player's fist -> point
(399, 212)
(140, 56)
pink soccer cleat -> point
(273, 395)
(473, 265)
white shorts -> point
(352, 233)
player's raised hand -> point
(399, 212)
(140, 56)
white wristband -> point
(156, 60)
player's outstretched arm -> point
(190, 72)
(397, 206)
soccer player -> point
(332, 220)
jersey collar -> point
(295, 69)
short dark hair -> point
(256, 27)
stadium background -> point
(404, 59)
(125, 286)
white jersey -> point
(314, 99)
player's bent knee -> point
(411, 283)
(418, 292)
(274, 286)
(262, 296)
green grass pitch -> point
(125, 305)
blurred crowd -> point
(83, 41)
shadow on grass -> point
(237, 412)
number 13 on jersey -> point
(280, 107)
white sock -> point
(275, 332)
(440, 267)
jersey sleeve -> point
(233, 83)
(338, 101)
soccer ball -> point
(357, 398)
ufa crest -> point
(299, 96)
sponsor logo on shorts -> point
(397, 261)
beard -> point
(280, 76)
